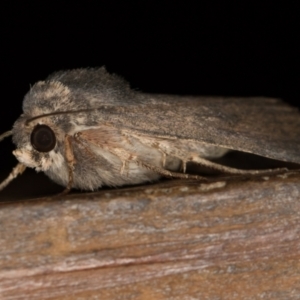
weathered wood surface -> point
(173, 240)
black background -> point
(235, 48)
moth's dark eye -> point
(43, 138)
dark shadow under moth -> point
(86, 128)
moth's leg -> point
(168, 173)
(69, 154)
(126, 157)
(124, 167)
(5, 134)
(164, 157)
(224, 169)
(79, 140)
(17, 170)
(121, 154)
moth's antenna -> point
(5, 134)
(17, 170)
(59, 113)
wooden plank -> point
(171, 240)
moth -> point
(86, 128)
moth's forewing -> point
(262, 126)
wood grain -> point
(172, 240)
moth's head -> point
(36, 135)
(38, 143)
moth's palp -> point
(5, 134)
(17, 170)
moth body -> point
(86, 128)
